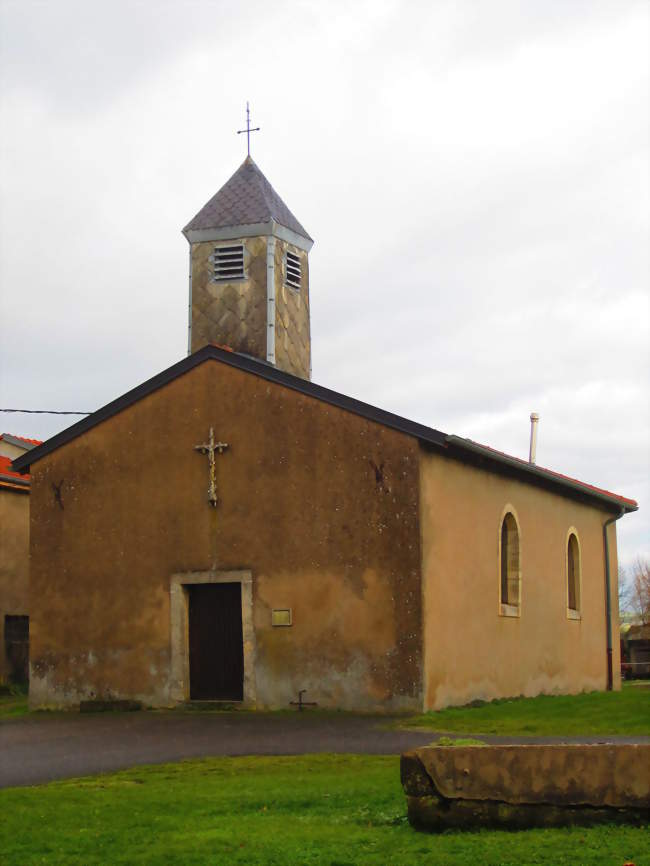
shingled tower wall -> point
(260, 308)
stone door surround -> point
(179, 636)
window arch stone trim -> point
(573, 613)
(507, 609)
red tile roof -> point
(23, 439)
(7, 473)
(559, 475)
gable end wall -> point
(318, 504)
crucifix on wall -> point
(211, 448)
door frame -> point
(179, 630)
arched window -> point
(510, 571)
(573, 573)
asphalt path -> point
(37, 749)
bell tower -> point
(249, 274)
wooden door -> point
(216, 644)
(17, 647)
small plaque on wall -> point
(281, 616)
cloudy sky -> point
(475, 176)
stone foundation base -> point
(436, 814)
(517, 787)
(118, 706)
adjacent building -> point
(14, 561)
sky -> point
(475, 177)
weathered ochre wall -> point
(301, 506)
(292, 329)
(14, 561)
(230, 314)
(471, 651)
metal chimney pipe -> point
(534, 418)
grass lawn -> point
(14, 704)
(624, 712)
(327, 809)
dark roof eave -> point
(243, 362)
(534, 473)
(454, 446)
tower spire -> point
(249, 274)
(248, 129)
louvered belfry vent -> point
(293, 277)
(228, 263)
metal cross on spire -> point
(248, 129)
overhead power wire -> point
(45, 412)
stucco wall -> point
(301, 507)
(471, 651)
(14, 561)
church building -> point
(231, 531)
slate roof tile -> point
(245, 199)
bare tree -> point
(634, 592)
(623, 591)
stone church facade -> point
(231, 531)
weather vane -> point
(248, 129)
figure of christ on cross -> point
(211, 448)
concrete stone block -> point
(526, 786)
